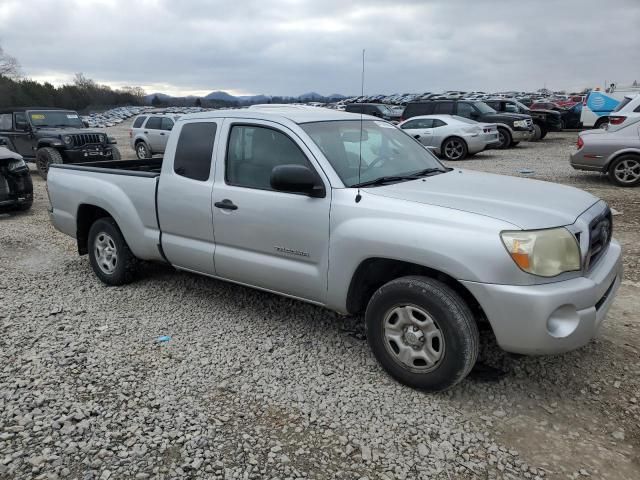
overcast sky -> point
(288, 47)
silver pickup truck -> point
(351, 213)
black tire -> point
(143, 151)
(514, 144)
(106, 231)
(543, 133)
(115, 154)
(537, 132)
(44, 157)
(459, 343)
(454, 148)
(504, 136)
(624, 171)
(602, 122)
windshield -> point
(55, 118)
(386, 150)
(484, 108)
(522, 106)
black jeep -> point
(543, 120)
(49, 135)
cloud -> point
(291, 46)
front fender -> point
(49, 142)
(459, 244)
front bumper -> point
(88, 153)
(522, 135)
(554, 317)
(16, 189)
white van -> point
(598, 104)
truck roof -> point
(293, 113)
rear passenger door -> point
(165, 126)
(152, 130)
(184, 196)
(265, 238)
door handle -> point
(226, 204)
(162, 133)
(146, 132)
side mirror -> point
(296, 179)
(23, 126)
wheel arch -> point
(374, 272)
(627, 151)
(86, 216)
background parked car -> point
(512, 127)
(149, 134)
(614, 151)
(16, 188)
(452, 137)
(375, 109)
(544, 121)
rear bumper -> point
(554, 317)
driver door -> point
(22, 139)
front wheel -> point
(111, 259)
(625, 171)
(504, 138)
(537, 132)
(44, 157)
(422, 333)
(115, 154)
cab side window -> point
(465, 110)
(254, 151)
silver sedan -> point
(451, 137)
(614, 150)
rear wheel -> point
(142, 151)
(111, 259)
(602, 122)
(625, 171)
(422, 333)
(454, 149)
(44, 157)
(504, 138)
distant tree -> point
(198, 102)
(9, 66)
(155, 101)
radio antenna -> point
(358, 196)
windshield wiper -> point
(399, 178)
(382, 181)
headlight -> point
(16, 165)
(520, 123)
(67, 139)
(546, 253)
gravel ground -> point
(252, 385)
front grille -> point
(81, 139)
(600, 230)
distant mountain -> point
(219, 95)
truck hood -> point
(525, 203)
(57, 132)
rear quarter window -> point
(139, 121)
(6, 121)
(195, 150)
(415, 109)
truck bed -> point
(139, 168)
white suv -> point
(149, 134)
